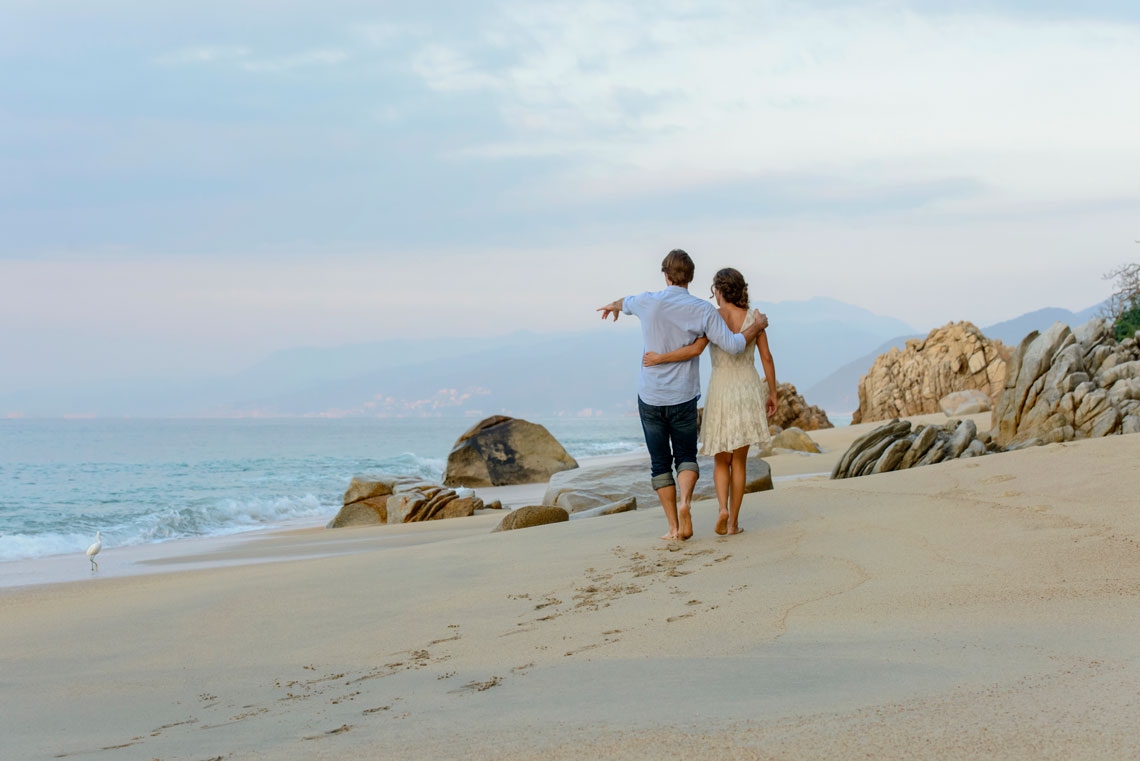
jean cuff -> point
(663, 480)
(689, 466)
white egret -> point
(93, 550)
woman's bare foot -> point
(684, 514)
(671, 537)
(735, 530)
(722, 523)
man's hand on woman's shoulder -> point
(760, 319)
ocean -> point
(146, 481)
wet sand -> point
(984, 608)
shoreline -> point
(227, 549)
(306, 538)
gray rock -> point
(889, 432)
(891, 456)
(623, 506)
(934, 455)
(922, 444)
(1125, 389)
(976, 449)
(587, 488)
(1027, 444)
(1030, 362)
(865, 460)
(533, 515)
(1130, 424)
(1092, 333)
(966, 432)
(1074, 381)
(1109, 376)
(1104, 424)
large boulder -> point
(1067, 384)
(955, 357)
(595, 486)
(968, 402)
(793, 411)
(532, 515)
(795, 439)
(501, 451)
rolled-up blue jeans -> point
(671, 436)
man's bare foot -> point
(722, 522)
(735, 530)
(686, 520)
(671, 537)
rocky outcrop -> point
(955, 357)
(899, 446)
(796, 440)
(969, 402)
(793, 411)
(424, 502)
(366, 500)
(373, 500)
(533, 515)
(1070, 384)
(501, 451)
(591, 487)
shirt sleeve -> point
(718, 332)
(630, 304)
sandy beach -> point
(977, 608)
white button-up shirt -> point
(672, 319)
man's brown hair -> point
(678, 267)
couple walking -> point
(676, 327)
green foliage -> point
(1128, 322)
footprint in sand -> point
(998, 479)
(477, 686)
(339, 730)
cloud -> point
(385, 34)
(445, 69)
(654, 96)
(297, 61)
(244, 58)
(204, 54)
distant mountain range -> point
(522, 373)
(839, 391)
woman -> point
(736, 413)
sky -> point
(186, 187)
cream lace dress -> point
(735, 403)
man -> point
(667, 393)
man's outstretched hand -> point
(608, 309)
